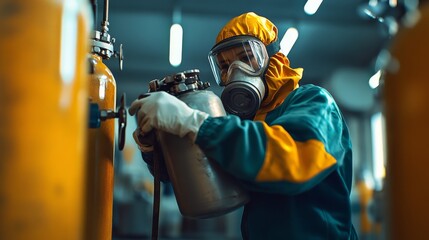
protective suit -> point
(294, 157)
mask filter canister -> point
(243, 95)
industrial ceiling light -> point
(176, 39)
(311, 6)
(374, 81)
(288, 40)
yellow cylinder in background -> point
(100, 154)
(44, 103)
(407, 117)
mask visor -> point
(245, 52)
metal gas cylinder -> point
(202, 188)
(101, 131)
(405, 99)
(44, 100)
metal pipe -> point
(94, 10)
(106, 12)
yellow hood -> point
(281, 79)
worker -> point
(287, 144)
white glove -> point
(163, 111)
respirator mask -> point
(239, 64)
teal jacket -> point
(296, 165)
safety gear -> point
(287, 159)
(239, 63)
(246, 53)
(243, 96)
(280, 79)
(163, 111)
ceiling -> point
(337, 37)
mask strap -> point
(273, 48)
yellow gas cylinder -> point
(407, 118)
(101, 133)
(44, 103)
(102, 91)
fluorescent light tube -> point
(288, 40)
(176, 40)
(311, 6)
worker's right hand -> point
(144, 142)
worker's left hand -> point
(163, 111)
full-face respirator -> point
(239, 64)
